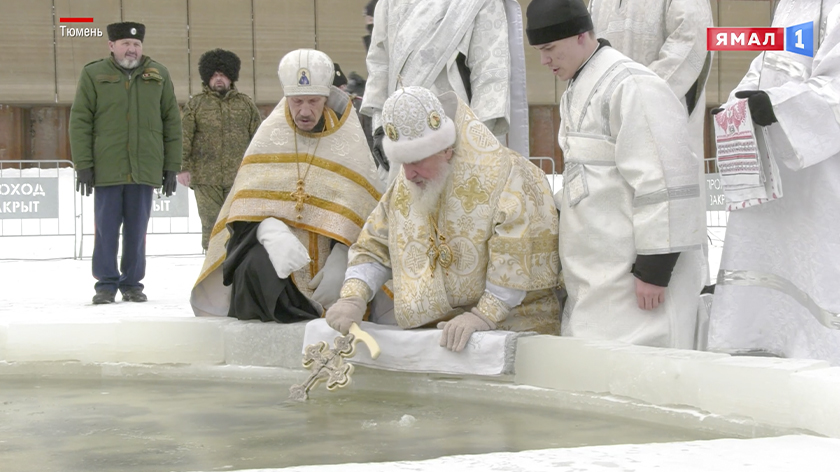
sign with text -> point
(176, 205)
(797, 39)
(28, 197)
(715, 200)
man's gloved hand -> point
(760, 107)
(717, 110)
(328, 281)
(377, 151)
(84, 181)
(345, 312)
(170, 181)
(457, 331)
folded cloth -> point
(418, 350)
(748, 172)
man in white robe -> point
(777, 290)
(631, 216)
(468, 231)
(669, 38)
(471, 47)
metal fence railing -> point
(37, 199)
(548, 166)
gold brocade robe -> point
(341, 185)
(497, 215)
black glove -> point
(717, 110)
(84, 181)
(378, 153)
(760, 107)
(170, 181)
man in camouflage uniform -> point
(218, 125)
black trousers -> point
(127, 206)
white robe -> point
(780, 267)
(416, 42)
(669, 38)
(632, 186)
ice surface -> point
(782, 454)
(816, 400)
(755, 387)
(659, 376)
(566, 363)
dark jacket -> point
(217, 131)
(127, 128)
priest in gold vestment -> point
(278, 250)
(467, 231)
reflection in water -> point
(163, 425)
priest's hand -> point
(760, 107)
(345, 312)
(328, 281)
(648, 295)
(457, 331)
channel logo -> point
(798, 39)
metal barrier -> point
(550, 172)
(30, 204)
(171, 216)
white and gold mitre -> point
(415, 125)
(306, 72)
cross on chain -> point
(300, 196)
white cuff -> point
(371, 273)
(511, 296)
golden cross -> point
(300, 196)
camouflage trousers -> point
(209, 199)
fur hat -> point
(219, 60)
(306, 72)
(126, 30)
(415, 125)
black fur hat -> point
(219, 60)
(126, 30)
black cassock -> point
(257, 293)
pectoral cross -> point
(300, 196)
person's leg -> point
(107, 216)
(209, 199)
(137, 207)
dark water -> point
(166, 425)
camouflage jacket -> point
(217, 131)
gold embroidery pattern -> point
(493, 308)
(402, 201)
(471, 194)
(356, 288)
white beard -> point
(425, 200)
(126, 63)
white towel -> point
(418, 350)
(748, 173)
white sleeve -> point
(285, 251)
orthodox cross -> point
(328, 365)
(300, 196)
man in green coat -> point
(125, 138)
(218, 125)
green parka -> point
(127, 128)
